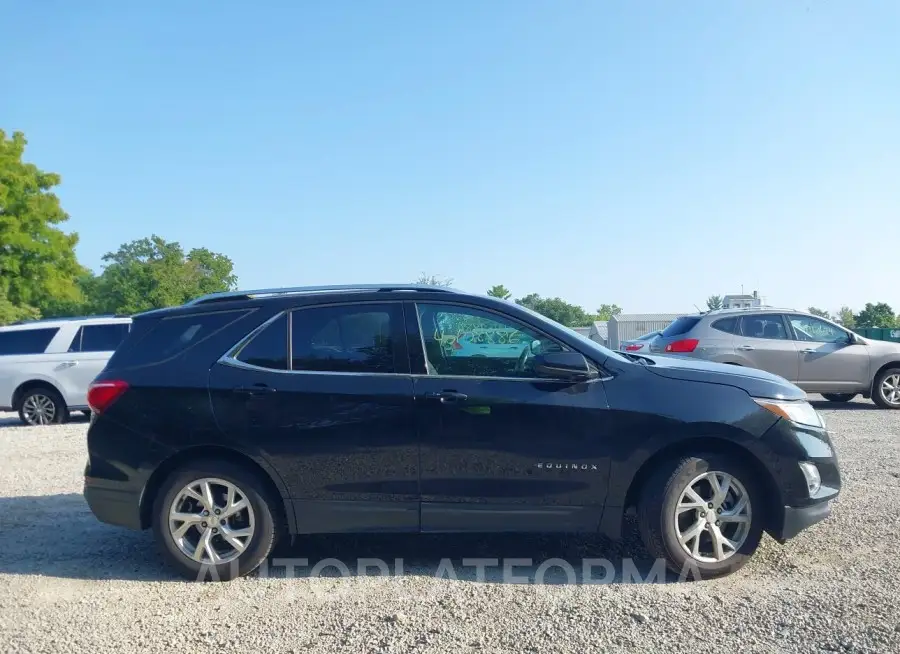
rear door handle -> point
(745, 348)
(447, 397)
(260, 389)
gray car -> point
(816, 354)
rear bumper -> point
(113, 503)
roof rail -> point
(66, 318)
(764, 307)
(302, 290)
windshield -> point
(591, 345)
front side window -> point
(269, 348)
(354, 338)
(26, 341)
(763, 326)
(462, 341)
(807, 328)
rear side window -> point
(268, 349)
(99, 338)
(680, 326)
(26, 341)
(765, 326)
(727, 325)
(170, 336)
(356, 338)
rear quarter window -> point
(727, 325)
(680, 326)
(26, 341)
(167, 337)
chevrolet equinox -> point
(227, 422)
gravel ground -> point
(70, 584)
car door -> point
(829, 360)
(763, 341)
(324, 395)
(501, 448)
(87, 355)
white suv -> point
(46, 366)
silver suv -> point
(817, 355)
(46, 366)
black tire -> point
(878, 394)
(41, 395)
(251, 487)
(657, 521)
(839, 397)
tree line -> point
(878, 314)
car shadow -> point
(13, 420)
(856, 405)
(58, 536)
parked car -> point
(640, 343)
(476, 344)
(240, 417)
(817, 355)
(46, 366)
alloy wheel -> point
(712, 517)
(39, 409)
(211, 521)
(890, 389)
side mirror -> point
(855, 339)
(569, 366)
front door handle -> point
(745, 348)
(256, 389)
(447, 397)
(808, 350)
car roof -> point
(313, 294)
(61, 322)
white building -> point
(742, 301)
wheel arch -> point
(886, 366)
(282, 503)
(772, 502)
(32, 384)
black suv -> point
(239, 417)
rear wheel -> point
(839, 397)
(886, 389)
(42, 405)
(214, 521)
(702, 514)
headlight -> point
(799, 412)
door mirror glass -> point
(563, 365)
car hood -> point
(757, 383)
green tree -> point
(556, 309)
(876, 315)
(500, 291)
(714, 302)
(434, 280)
(37, 259)
(607, 311)
(10, 313)
(820, 312)
(151, 273)
(846, 317)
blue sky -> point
(644, 153)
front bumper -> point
(796, 519)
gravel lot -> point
(71, 584)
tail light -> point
(633, 347)
(684, 345)
(102, 394)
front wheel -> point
(214, 521)
(886, 389)
(839, 397)
(702, 514)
